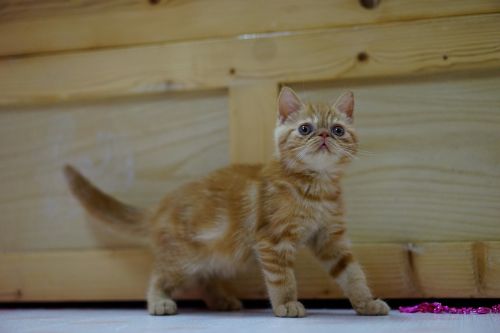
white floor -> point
(261, 321)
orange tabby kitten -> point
(243, 214)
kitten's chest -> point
(319, 199)
(317, 215)
(317, 206)
(324, 211)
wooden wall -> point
(146, 95)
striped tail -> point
(118, 216)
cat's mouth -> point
(324, 148)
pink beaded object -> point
(439, 308)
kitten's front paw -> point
(162, 307)
(375, 307)
(226, 304)
(290, 309)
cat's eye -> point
(305, 129)
(338, 130)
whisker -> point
(365, 152)
(350, 154)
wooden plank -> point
(488, 262)
(41, 26)
(368, 51)
(461, 270)
(430, 151)
(74, 275)
(388, 274)
(442, 269)
(135, 149)
(252, 119)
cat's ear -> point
(345, 104)
(288, 103)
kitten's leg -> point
(276, 261)
(333, 249)
(161, 286)
(218, 297)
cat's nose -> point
(324, 134)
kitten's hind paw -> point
(162, 307)
(375, 307)
(290, 309)
(226, 304)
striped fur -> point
(244, 215)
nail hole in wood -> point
(363, 56)
(369, 4)
(232, 71)
(154, 2)
(445, 57)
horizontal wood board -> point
(34, 27)
(385, 50)
(461, 269)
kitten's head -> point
(314, 136)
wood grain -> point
(137, 150)
(422, 200)
(253, 113)
(430, 151)
(488, 257)
(121, 274)
(42, 26)
(418, 178)
(74, 275)
(387, 50)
